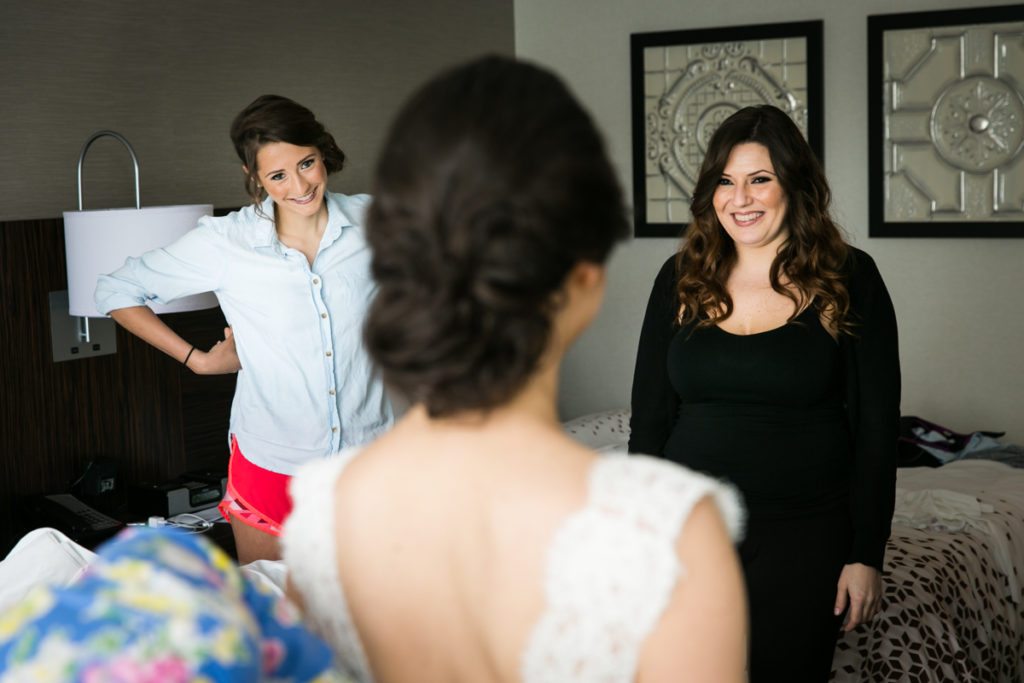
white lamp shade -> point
(98, 242)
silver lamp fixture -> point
(98, 242)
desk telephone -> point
(67, 513)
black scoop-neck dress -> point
(805, 426)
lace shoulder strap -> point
(308, 550)
(612, 567)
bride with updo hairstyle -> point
(478, 218)
(476, 541)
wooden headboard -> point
(137, 406)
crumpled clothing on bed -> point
(159, 605)
(950, 511)
(939, 509)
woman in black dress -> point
(768, 357)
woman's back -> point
(475, 541)
(504, 551)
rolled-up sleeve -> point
(191, 265)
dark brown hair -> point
(493, 183)
(272, 118)
(813, 256)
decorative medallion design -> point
(719, 79)
(977, 124)
(949, 149)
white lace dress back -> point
(308, 550)
(610, 571)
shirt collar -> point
(337, 219)
(265, 234)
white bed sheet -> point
(47, 556)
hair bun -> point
(492, 184)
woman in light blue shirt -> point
(291, 273)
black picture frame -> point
(878, 142)
(810, 31)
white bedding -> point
(41, 556)
(47, 556)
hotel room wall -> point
(959, 302)
(170, 77)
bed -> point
(952, 606)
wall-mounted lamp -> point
(98, 242)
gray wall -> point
(170, 76)
(959, 302)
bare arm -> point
(702, 636)
(144, 324)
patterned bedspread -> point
(952, 608)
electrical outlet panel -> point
(65, 337)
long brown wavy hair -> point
(808, 268)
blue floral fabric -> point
(159, 605)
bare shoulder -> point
(704, 537)
(703, 631)
(533, 471)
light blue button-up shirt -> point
(307, 387)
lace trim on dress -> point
(310, 554)
(612, 567)
(610, 570)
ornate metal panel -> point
(685, 83)
(947, 140)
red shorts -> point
(255, 496)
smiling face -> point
(749, 200)
(294, 177)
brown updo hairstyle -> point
(272, 118)
(813, 256)
(493, 183)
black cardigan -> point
(872, 364)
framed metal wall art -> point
(946, 123)
(685, 83)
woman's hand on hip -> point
(860, 587)
(222, 359)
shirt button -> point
(328, 354)
(316, 281)
(331, 392)
(323, 315)
(334, 429)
